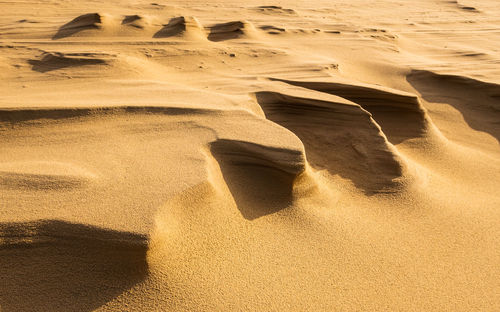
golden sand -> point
(250, 156)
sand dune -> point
(249, 156)
(346, 128)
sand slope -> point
(249, 156)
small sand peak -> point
(231, 30)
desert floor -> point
(234, 155)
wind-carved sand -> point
(84, 22)
(341, 126)
(182, 26)
(231, 30)
(260, 178)
(229, 156)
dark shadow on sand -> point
(259, 186)
(55, 266)
(477, 101)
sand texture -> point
(235, 155)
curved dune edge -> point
(476, 100)
(260, 178)
(375, 164)
(80, 23)
(400, 114)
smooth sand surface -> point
(237, 155)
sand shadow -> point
(131, 19)
(226, 31)
(54, 61)
(477, 101)
(58, 266)
(259, 185)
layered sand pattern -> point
(248, 156)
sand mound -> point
(181, 26)
(56, 60)
(362, 153)
(107, 25)
(83, 22)
(231, 30)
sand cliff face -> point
(249, 156)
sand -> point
(250, 156)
